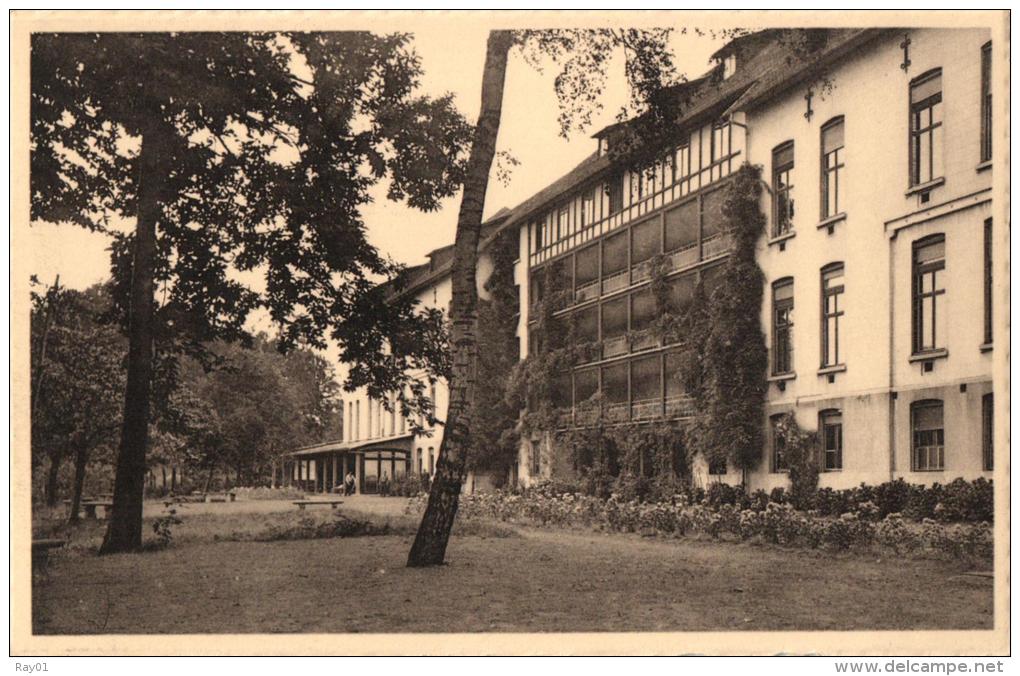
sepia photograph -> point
(514, 333)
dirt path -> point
(536, 581)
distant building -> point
(379, 444)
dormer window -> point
(729, 66)
(604, 146)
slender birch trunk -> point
(429, 548)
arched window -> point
(832, 314)
(926, 127)
(779, 461)
(928, 288)
(830, 428)
(782, 189)
(833, 163)
(782, 326)
(928, 442)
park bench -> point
(301, 504)
(41, 552)
(221, 497)
(90, 507)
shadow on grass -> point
(87, 535)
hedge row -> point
(959, 500)
(777, 523)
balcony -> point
(586, 292)
(615, 282)
(716, 245)
(644, 340)
(616, 411)
(681, 406)
(684, 258)
(647, 409)
(612, 347)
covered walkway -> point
(321, 468)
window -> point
(646, 387)
(586, 273)
(832, 167)
(928, 447)
(588, 207)
(432, 460)
(614, 190)
(562, 222)
(432, 403)
(782, 189)
(986, 102)
(614, 327)
(988, 281)
(720, 141)
(357, 420)
(682, 161)
(615, 391)
(779, 463)
(682, 224)
(830, 424)
(929, 310)
(646, 240)
(539, 235)
(717, 466)
(987, 432)
(926, 128)
(782, 326)
(832, 313)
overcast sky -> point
(528, 130)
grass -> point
(220, 576)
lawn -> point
(218, 577)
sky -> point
(529, 131)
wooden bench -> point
(90, 507)
(41, 552)
(301, 504)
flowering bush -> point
(739, 519)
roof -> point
(771, 67)
(350, 446)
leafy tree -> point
(238, 153)
(583, 56)
(78, 377)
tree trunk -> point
(124, 532)
(81, 457)
(52, 477)
(429, 548)
(173, 478)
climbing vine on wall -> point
(724, 358)
(494, 417)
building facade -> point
(876, 151)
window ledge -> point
(831, 220)
(924, 187)
(941, 353)
(827, 370)
(782, 377)
(779, 239)
(986, 347)
(984, 166)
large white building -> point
(878, 303)
(875, 145)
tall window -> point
(782, 189)
(832, 313)
(782, 326)
(720, 141)
(588, 207)
(987, 432)
(928, 447)
(779, 460)
(988, 281)
(539, 235)
(986, 102)
(929, 308)
(831, 426)
(614, 191)
(682, 161)
(832, 167)
(926, 128)
(562, 221)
